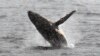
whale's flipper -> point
(62, 20)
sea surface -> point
(19, 37)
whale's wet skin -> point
(49, 30)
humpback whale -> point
(49, 30)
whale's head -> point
(34, 17)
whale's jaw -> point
(48, 30)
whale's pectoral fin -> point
(62, 20)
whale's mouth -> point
(30, 12)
